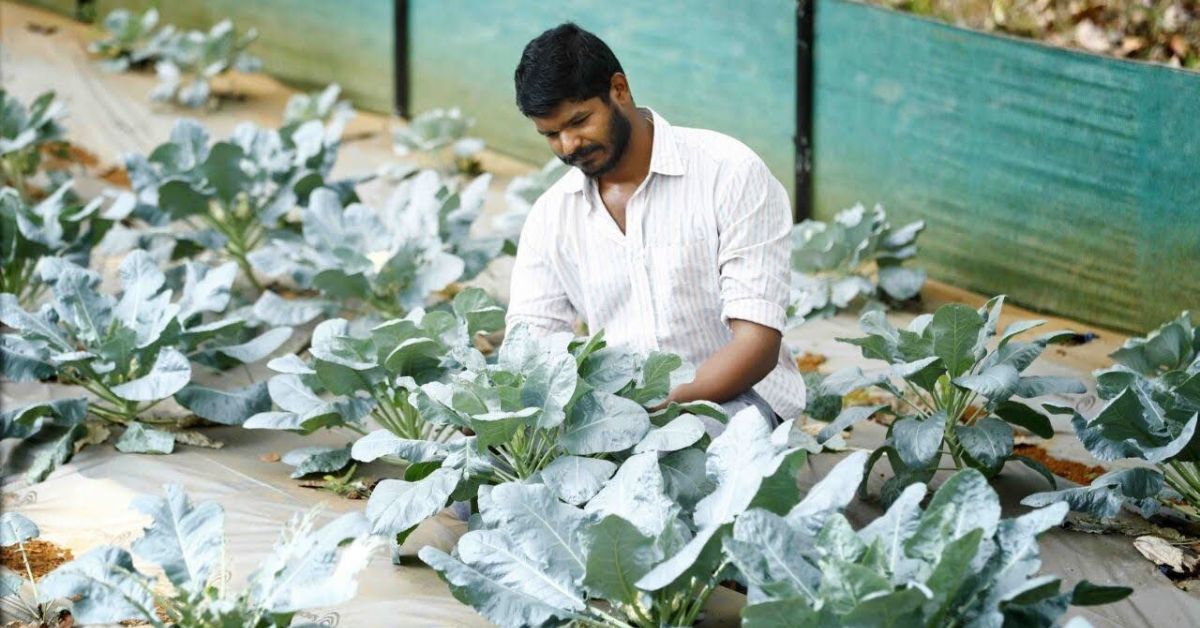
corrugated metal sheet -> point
(1067, 180)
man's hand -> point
(739, 365)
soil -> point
(63, 155)
(44, 557)
(1076, 472)
(116, 175)
(810, 362)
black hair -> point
(565, 63)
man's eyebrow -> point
(575, 119)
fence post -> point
(400, 58)
(804, 108)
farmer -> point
(667, 238)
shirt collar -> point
(664, 156)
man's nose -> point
(570, 142)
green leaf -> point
(397, 505)
(655, 380)
(1130, 427)
(829, 495)
(1106, 494)
(541, 527)
(309, 460)
(1087, 594)
(1036, 386)
(226, 408)
(380, 443)
(494, 428)
(919, 441)
(180, 200)
(1022, 415)
(901, 283)
(258, 347)
(16, 528)
(577, 479)
(57, 452)
(503, 602)
(609, 369)
(105, 587)
(601, 422)
(637, 494)
(996, 383)
(698, 557)
(783, 613)
(682, 432)
(170, 373)
(24, 361)
(848, 417)
(223, 171)
(618, 555)
(954, 331)
(186, 541)
(988, 442)
(685, 478)
(414, 357)
(139, 439)
(845, 585)
(738, 460)
(774, 557)
(1038, 468)
(964, 502)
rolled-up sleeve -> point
(754, 222)
(537, 297)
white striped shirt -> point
(706, 240)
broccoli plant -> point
(955, 397)
(24, 134)
(1151, 414)
(645, 550)
(322, 106)
(439, 139)
(19, 593)
(389, 261)
(131, 353)
(550, 407)
(54, 227)
(130, 40)
(375, 374)
(190, 60)
(307, 568)
(833, 262)
(954, 564)
(236, 192)
(520, 195)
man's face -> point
(591, 135)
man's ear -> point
(618, 89)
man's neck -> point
(635, 164)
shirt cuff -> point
(759, 311)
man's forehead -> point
(563, 114)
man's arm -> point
(537, 297)
(739, 365)
(754, 224)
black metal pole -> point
(804, 108)
(400, 58)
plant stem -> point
(1184, 477)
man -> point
(667, 238)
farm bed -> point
(85, 503)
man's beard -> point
(619, 130)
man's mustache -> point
(581, 154)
